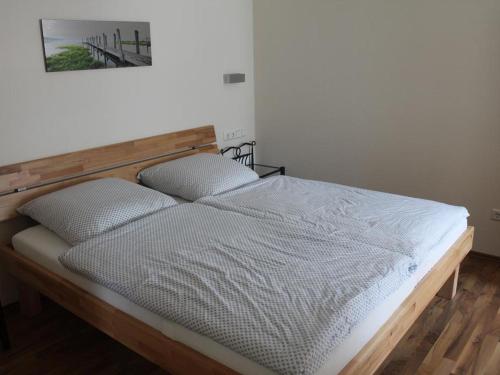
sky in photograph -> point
(78, 30)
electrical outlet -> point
(234, 134)
(228, 135)
(495, 214)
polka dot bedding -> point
(280, 294)
(86, 210)
(197, 176)
(404, 224)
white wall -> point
(399, 96)
(193, 43)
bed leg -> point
(449, 289)
(29, 301)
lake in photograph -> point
(82, 45)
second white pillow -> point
(197, 176)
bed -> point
(166, 343)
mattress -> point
(44, 247)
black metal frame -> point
(247, 158)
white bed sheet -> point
(44, 247)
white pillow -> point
(197, 176)
(84, 211)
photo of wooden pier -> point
(82, 45)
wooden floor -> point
(459, 337)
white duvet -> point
(279, 294)
(281, 272)
(403, 224)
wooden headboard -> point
(19, 183)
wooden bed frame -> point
(22, 182)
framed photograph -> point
(83, 45)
